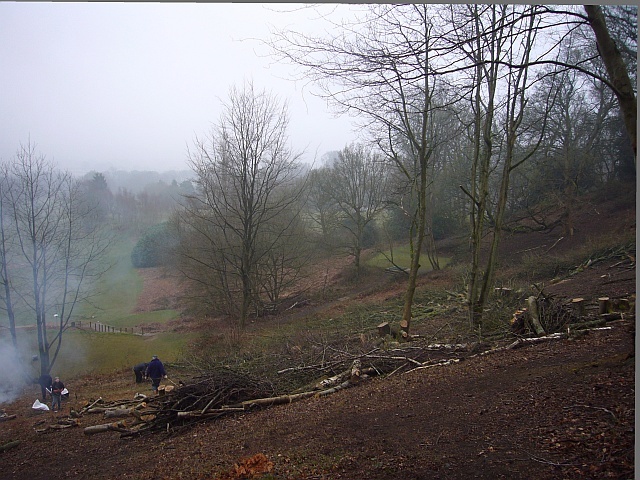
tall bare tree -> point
(5, 252)
(496, 43)
(380, 69)
(246, 174)
(56, 251)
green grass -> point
(117, 291)
(112, 303)
(88, 352)
(402, 258)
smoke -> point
(14, 374)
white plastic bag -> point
(38, 405)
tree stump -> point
(604, 305)
(532, 308)
(384, 329)
(578, 306)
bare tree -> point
(322, 210)
(358, 185)
(245, 176)
(380, 69)
(5, 252)
(496, 41)
(56, 252)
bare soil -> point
(559, 409)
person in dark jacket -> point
(155, 371)
(45, 385)
(141, 371)
(56, 393)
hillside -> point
(558, 409)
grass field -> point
(402, 258)
(112, 303)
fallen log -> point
(107, 427)
(118, 412)
(4, 418)
(351, 374)
(84, 409)
(60, 426)
(9, 445)
(433, 365)
(215, 412)
(530, 341)
(331, 390)
(282, 399)
(267, 402)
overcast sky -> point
(98, 86)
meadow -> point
(87, 350)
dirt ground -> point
(559, 409)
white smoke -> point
(14, 375)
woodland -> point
(450, 296)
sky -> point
(128, 86)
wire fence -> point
(104, 328)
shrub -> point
(152, 248)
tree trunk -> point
(532, 305)
(617, 71)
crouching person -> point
(140, 371)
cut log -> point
(282, 399)
(214, 412)
(355, 372)
(404, 326)
(117, 412)
(106, 427)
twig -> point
(595, 408)
(549, 462)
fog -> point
(15, 374)
(99, 86)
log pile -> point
(225, 391)
(547, 314)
